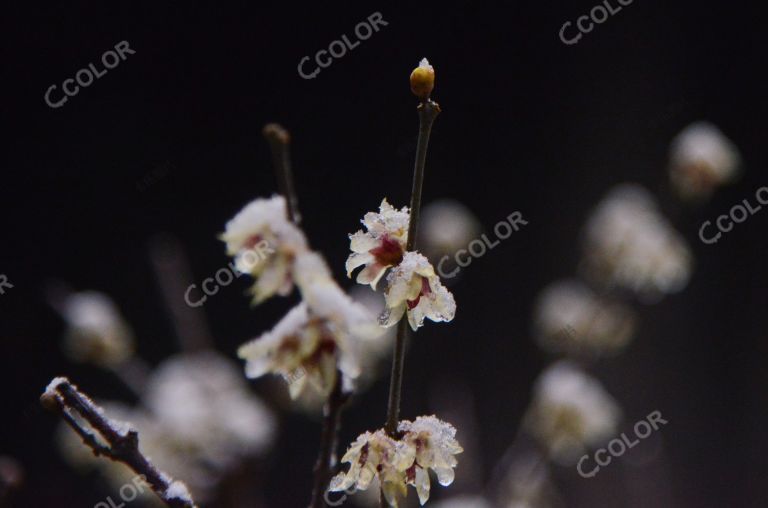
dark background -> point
(528, 124)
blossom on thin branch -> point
(415, 289)
(265, 244)
(396, 462)
(381, 246)
(316, 338)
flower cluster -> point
(412, 285)
(316, 338)
(424, 444)
(264, 244)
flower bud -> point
(423, 80)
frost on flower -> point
(702, 159)
(570, 411)
(96, 332)
(265, 243)
(414, 287)
(424, 444)
(315, 338)
(570, 318)
(376, 455)
(630, 244)
(436, 446)
(381, 246)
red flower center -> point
(389, 252)
(425, 290)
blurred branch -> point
(279, 142)
(121, 442)
(172, 269)
(325, 459)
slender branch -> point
(279, 142)
(172, 270)
(428, 111)
(121, 443)
(326, 457)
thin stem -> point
(428, 111)
(172, 270)
(279, 142)
(326, 457)
(120, 444)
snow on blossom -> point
(317, 337)
(264, 244)
(413, 287)
(381, 246)
(424, 444)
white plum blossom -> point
(264, 244)
(570, 318)
(702, 159)
(424, 444)
(96, 331)
(570, 411)
(381, 246)
(628, 243)
(317, 337)
(376, 455)
(413, 287)
(436, 446)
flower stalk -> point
(279, 141)
(428, 111)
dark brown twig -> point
(326, 457)
(120, 443)
(279, 142)
(428, 111)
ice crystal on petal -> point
(413, 287)
(381, 246)
(265, 243)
